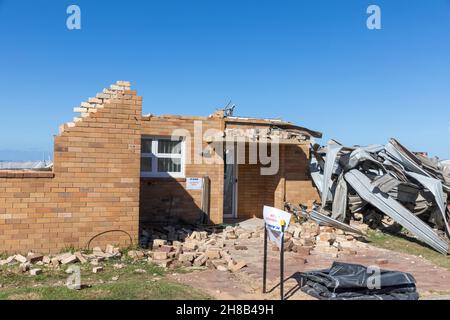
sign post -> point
(276, 221)
(283, 224)
(265, 259)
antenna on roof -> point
(229, 109)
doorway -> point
(230, 184)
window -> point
(162, 157)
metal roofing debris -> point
(332, 152)
(395, 210)
(388, 180)
(321, 219)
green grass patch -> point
(136, 281)
(408, 245)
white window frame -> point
(154, 155)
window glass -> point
(147, 145)
(146, 164)
(169, 147)
(162, 157)
(169, 165)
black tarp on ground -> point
(345, 281)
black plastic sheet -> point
(345, 281)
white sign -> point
(274, 218)
(194, 184)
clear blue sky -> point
(313, 62)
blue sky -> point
(312, 62)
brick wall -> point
(96, 185)
(93, 188)
(166, 199)
(299, 186)
(291, 183)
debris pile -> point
(214, 248)
(385, 186)
(192, 248)
(195, 247)
(34, 263)
(310, 238)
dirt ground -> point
(433, 282)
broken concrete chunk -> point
(20, 258)
(34, 257)
(54, 262)
(97, 251)
(159, 255)
(35, 272)
(213, 253)
(190, 246)
(135, 254)
(97, 269)
(302, 251)
(326, 236)
(236, 267)
(245, 235)
(163, 263)
(186, 257)
(110, 249)
(381, 261)
(159, 243)
(200, 260)
(70, 259)
(165, 248)
(80, 257)
(63, 256)
(222, 268)
(140, 271)
(24, 267)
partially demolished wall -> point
(94, 185)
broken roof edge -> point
(277, 123)
(285, 125)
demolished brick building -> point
(116, 170)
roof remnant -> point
(390, 180)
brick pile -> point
(191, 247)
(310, 238)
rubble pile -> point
(311, 238)
(195, 247)
(201, 247)
(34, 262)
(387, 185)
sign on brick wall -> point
(194, 183)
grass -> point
(409, 246)
(131, 285)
